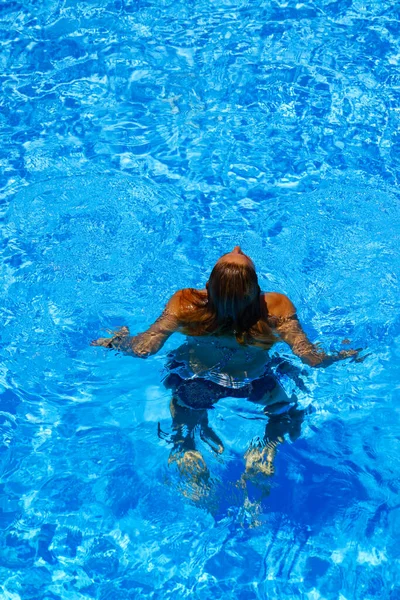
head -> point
(233, 288)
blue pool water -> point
(139, 141)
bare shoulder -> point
(185, 300)
(278, 305)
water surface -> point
(139, 141)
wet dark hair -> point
(232, 304)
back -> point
(197, 320)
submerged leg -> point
(185, 421)
(188, 459)
(260, 457)
(184, 452)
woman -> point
(231, 325)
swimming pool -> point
(139, 141)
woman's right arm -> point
(291, 332)
(286, 324)
(150, 341)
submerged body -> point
(221, 360)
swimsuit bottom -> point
(200, 393)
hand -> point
(357, 358)
(354, 355)
(342, 355)
(107, 342)
(103, 341)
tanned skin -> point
(278, 322)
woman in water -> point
(231, 325)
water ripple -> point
(141, 140)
